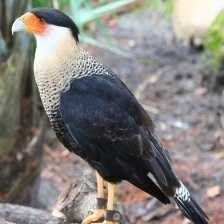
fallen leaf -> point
(201, 91)
(214, 191)
(220, 154)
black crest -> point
(58, 18)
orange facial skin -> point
(33, 24)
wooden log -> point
(26, 215)
(76, 202)
(3, 221)
(72, 206)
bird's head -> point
(56, 33)
(45, 22)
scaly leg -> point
(100, 212)
(100, 186)
(111, 193)
(112, 217)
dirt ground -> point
(167, 79)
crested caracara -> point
(95, 116)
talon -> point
(96, 216)
(90, 212)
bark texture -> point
(20, 137)
(72, 206)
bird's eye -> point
(40, 19)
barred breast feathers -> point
(55, 74)
(59, 60)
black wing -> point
(115, 133)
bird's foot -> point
(113, 217)
(96, 217)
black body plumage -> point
(105, 125)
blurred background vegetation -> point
(86, 11)
(206, 22)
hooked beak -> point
(18, 25)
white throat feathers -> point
(53, 46)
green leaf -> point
(77, 5)
(214, 42)
(40, 3)
(164, 6)
(63, 4)
(84, 11)
(84, 16)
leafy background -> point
(86, 12)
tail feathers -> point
(160, 167)
(148, 186)
(189, 207)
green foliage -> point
(168, 7)
(50, 3)
(85, 12)
(214, 42)
(165, 6)
(39, 3)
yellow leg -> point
(99, 213)
(100, 186)
(110, 199)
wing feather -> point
(107, 120)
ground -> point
(167, 78)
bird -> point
(97, 117)
(192, 19)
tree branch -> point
(72, 206)
(25, 215)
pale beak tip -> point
(17, 26)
